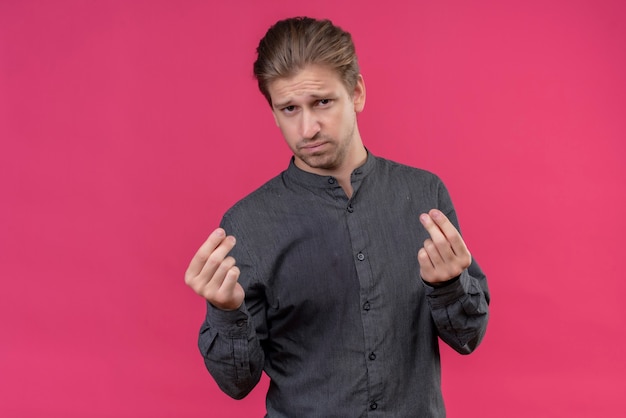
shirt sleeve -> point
(229, 340)
(460, 310)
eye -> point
(324, 102)
(288, 109)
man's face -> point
(317, 116)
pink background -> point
(128, 127)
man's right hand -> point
(213, 274)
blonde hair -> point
(291, 44)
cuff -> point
(449, 292)
(230, 323)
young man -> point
(338, 276)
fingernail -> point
(424, 217)
(220, 232)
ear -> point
(358, 96)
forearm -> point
(461, 310)
(231, 350)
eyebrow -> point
(313, 96)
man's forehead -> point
(314, 81)
(298, 89)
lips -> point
(313, 147)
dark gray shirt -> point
(335, 312)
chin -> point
(320, 162)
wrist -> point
(444, 283)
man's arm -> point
(227, 339)
(456, 287)
(231, 351)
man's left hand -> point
(444, 255)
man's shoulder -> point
(260, 199)
(394, 169)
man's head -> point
(292, 44)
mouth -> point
(314, 147)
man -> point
(338, 276)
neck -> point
(355, 157)
(343, 175)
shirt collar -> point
(315, 180)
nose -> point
(309, 125)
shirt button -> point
(372, 356)
(366, 306)
(240, 323)
(373, 405)
(360, 256)
(350, 208)
(331, 180)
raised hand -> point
(213, 274)
(444, 255)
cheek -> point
(345, 121)
(289, 134)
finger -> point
(231, 280)
(424, 259)
(230, 295)
(462, 256)
(427, 269)
(217, 256)
(200, 258)
(433, 253)
(213, 283)
(444, 247)
(449, 231)
(430, 225)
